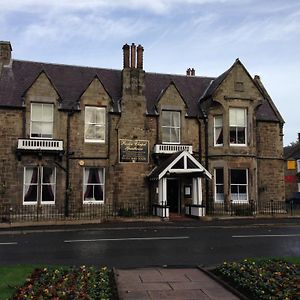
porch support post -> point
(197, 191)
(162, 191)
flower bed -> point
(264, 279)
(68, 283)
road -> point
(140, 245)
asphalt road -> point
(141, 245)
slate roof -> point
(292, 152)
(71, 81)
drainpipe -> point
(206, 158)
(67, 193)
(199, 141)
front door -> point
(173, 194)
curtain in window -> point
(30, 184)
(218, 130)
(89, 120)
(93, 184)
(48, 184)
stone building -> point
(76, 136)
(292, 168)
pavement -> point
(169, 283)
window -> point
(239, 185)
(93, 185)
(218, 130)
(298, 165)
(94, 129)
(41, 122)
(291, 165)
(238, 126)
(39, 185)
(219, 185)
(171, 127)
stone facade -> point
(132, 105)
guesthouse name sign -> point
(134, 150)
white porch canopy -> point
(180, 163)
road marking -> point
(130, 239)
(12, 243)
(265, 235)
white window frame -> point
(101, 125)
(86, 184)
(240, 184)
(217, 199)
(172, 127)
(39, 186)
(236, 126)
(215, 131)
(298, 166)
(41, 121)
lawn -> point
(273, 278)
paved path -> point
(169, 283)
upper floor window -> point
(218, 130)
(238, 126)
(41, 122)
(94, 129)
(171, 127)
(219, 185)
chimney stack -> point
(140, 59)
(190, 72)
(5, 54)
(298, 137)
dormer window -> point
(171, 127)
(94, 131)
(41, 122)
(238, 126)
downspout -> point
(67, 193)
(206, 158)
(199, 141)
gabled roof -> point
(70, 82)
(266, 112)
(190, 88)
(292, 152)
(189, 165)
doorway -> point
(173, 200)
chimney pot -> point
(125, 56)
(140, 59)
(188, 72)
(193, 72)
(133, 56)
(298, 137)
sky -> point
(207, 35)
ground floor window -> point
(219, 184)
(39, 185)
(93, 185)
(239, 185)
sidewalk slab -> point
(169, 283)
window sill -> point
(94, 202)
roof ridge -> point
(181, 75)
(65, 65)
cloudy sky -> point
(176, 34)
